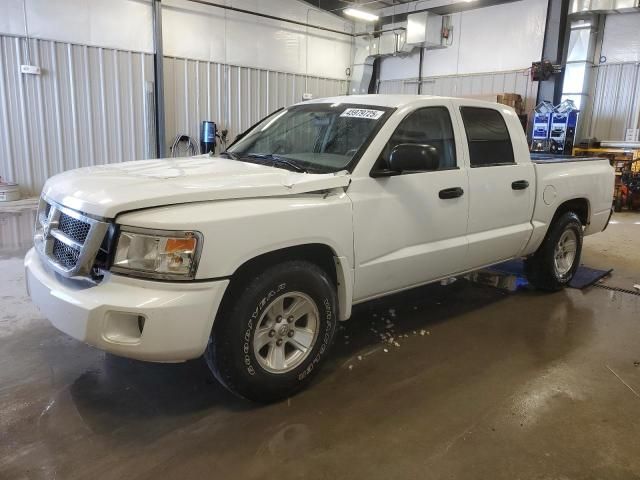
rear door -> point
(501, 190)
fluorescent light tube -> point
(361, 14)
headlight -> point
(164, 254)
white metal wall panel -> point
(621, 40)
(483, 86)
(16, 230)
(118, 24)
(515, 30)
(88, 107)
(210, 34)
(233, 97)
(616, 102)
(391, 86)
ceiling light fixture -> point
(361, 14)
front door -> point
(411, 228)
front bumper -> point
(141, 319)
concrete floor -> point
(486, 384)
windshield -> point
(316, 136)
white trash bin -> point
(9, 192)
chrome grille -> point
(66, 256)
(73, 228)
(68, 240)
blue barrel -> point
(208, 137)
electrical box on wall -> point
(424, 29)
(30, 69)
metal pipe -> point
(271, 17)
(619, 144)
(158, 70)
(374, 32)
(420, 71)
(26, 31)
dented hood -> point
(108, 190)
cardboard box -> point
(512, 100)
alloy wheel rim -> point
(286, 332)
(565, 253)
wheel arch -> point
(579, 205)
(320, 254)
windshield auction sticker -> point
(362, 113)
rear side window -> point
(430, 126)
(488, 137)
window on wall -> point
(426, 126)
(488, 137)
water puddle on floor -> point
(503, 281)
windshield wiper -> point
(231, 155)
(264, 156)
(277, 159)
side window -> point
(426, 126)
(488, 137)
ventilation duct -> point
(362, 70)
(421, 30)
(424, 29)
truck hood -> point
(108, 190)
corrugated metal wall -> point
(89, 106)
(616, 102)
(233, 97)
(481, 86)
(16, 230)
(92, 106)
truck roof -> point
(391, 100)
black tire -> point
(617, 205)
(230, 354)
(540, 267)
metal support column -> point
(554, 49)
(158, 70)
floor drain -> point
(617, 289)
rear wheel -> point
(272, 338)
(554, 264)
(617, 206)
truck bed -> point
(548, 158)
(564, 177)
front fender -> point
(236, 231)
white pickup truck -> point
(251, 257)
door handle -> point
(451, 193)
(520, 185)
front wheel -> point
(553, 266)
(272, 338)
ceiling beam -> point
(444, 8)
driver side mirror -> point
(414, 158)
(410, 157)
